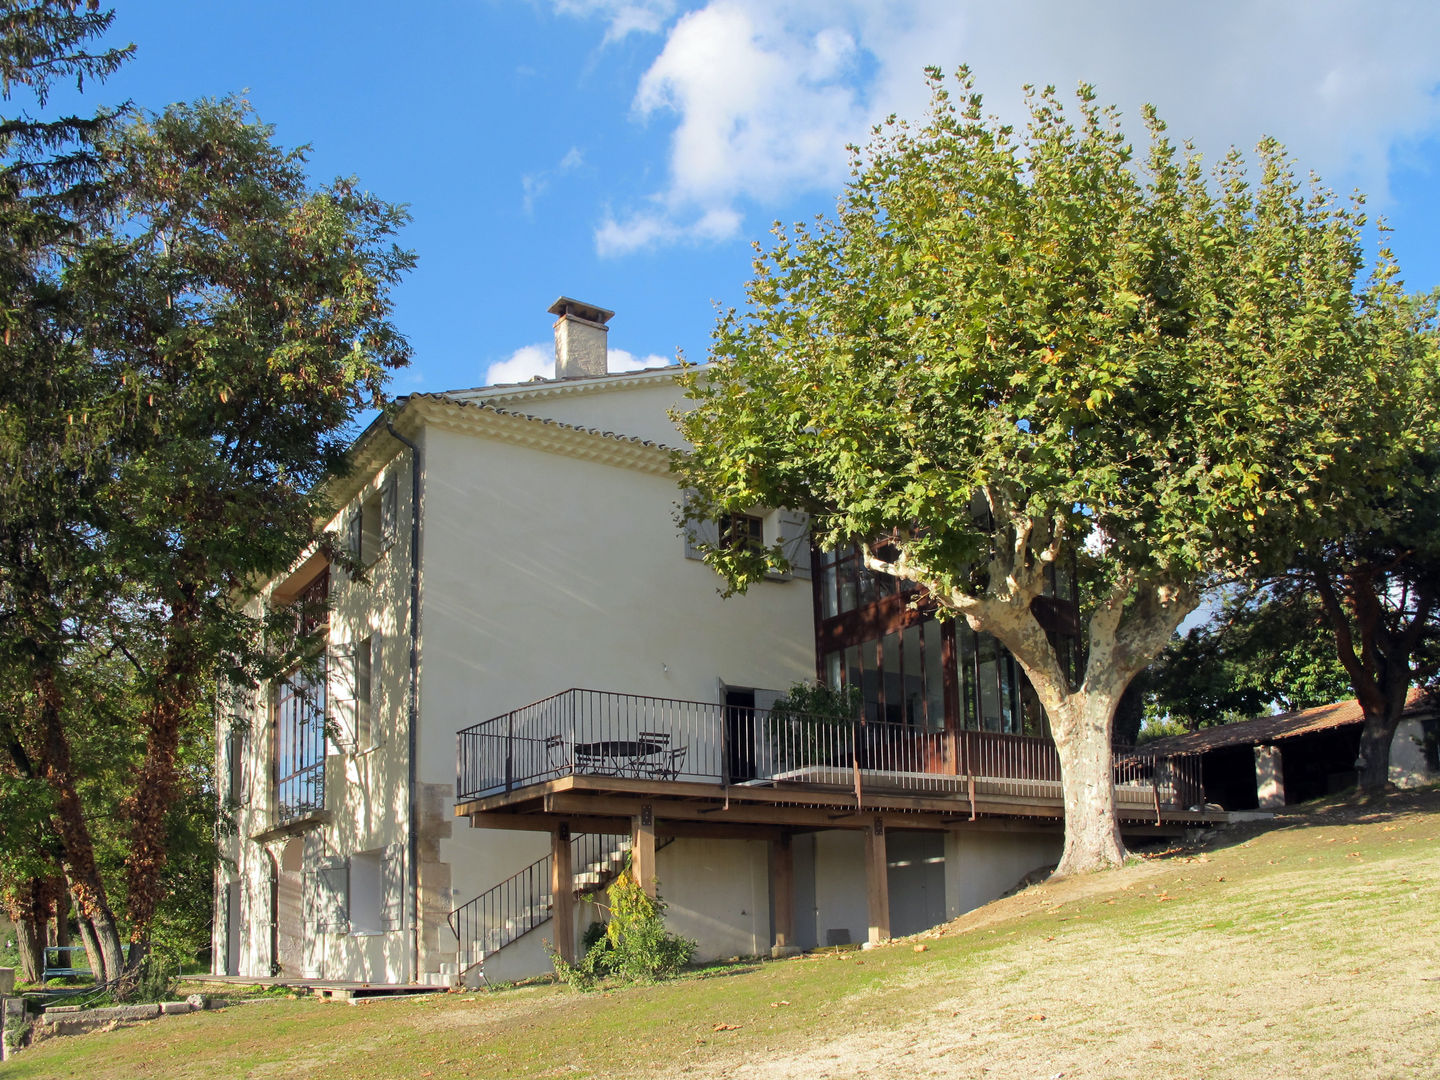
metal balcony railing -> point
(601, 733)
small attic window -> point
(739, 531)
(372, 525)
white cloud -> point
(523, 365)
(529, 361)
(656, 228)
(619, 360)
(624, 17)
(536, 184)
(764, 94)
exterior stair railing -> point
(523, 902)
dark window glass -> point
(741, 531)
(894, 692)
(934, 676)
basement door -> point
(917, 880)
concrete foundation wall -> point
(839, 890)
(718, 893)
(983, 866)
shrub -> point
(804, 727)
(633, 947)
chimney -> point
(580, 339)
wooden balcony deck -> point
(596, 760)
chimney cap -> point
(581, 310)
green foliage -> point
(1009, 347)
(801, 725)
(190, 328)
(1274, 645)
(634, 947)
(816, 701)
(1111, 347)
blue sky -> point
(626, 152)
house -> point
(1301, 755)
(526, 586)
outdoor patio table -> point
(620, 757)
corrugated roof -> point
(1268, 729)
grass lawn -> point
(1304, 947)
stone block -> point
(135, 1012)
(195, 1001)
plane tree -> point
(1011, 347)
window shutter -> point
(795, 541)
(331, 894)
(389, 518)
(235, 766)
(371, 703)
(698, 535)
(392, 888)
(343, 697)
(354, 531)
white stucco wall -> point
(981, 866)
(840, 896)
(632, 406)
(544, 572)
(366, 785)
(718, 892)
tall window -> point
(880, 634)
(300, 717)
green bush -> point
(801, 725)
(633, 947)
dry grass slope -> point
(1303, 948)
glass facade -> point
(915, 669)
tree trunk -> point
(150, 802)
(1125, 634)
(1372, 762)
(30, 939)
(92, 947)
(62, 915)
(78, 850)
(1087, 782)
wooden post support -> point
(642, 848)
(782, 895)
(877, 883)
(562, 892)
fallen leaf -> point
(777, 1004)
(727, 1027)
(921, 948)
(1037, 1016)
